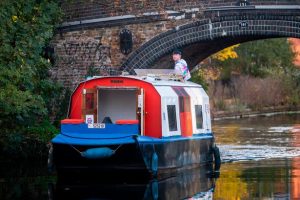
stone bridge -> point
(103, 36)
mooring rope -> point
(117, 148)
(71, 146)
(114, 151)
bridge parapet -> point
(82, 10)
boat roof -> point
(154, 80)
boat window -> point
(199, 116)
(89, 105)
(172, 117)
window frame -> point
(197, 116)
(174, 110)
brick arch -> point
(217, 31)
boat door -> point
(141, 109)
(89, 105)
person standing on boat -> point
(181, 67)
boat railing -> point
(158, 74)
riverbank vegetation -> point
(252, 76)
(27, 94)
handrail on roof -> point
(150, 75)
(158, 74)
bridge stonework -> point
(88, 41)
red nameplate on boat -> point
(72, 121)
(127, 121)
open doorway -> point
(117, 104)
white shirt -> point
(181, 68)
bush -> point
(26, 90)
(43, 132)
(220, 105)
(30, 144)
(198, 77)
(261, 92)
(255, 93)
(28, 26)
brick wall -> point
(90, 9)
(98, 49)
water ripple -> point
(232, 153)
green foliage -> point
(261, 58)
(27, 27)
(43, 131)
(31, 143)
(26, 91)
(220, 105)
(19, 145)
(292, 86)
(198, 77)
(261, 75)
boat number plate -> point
(98, 125)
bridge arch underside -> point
(202, 38)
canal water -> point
(261, 160)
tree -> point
(227, 53)
(26, 29)
(262, 58)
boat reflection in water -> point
(295, 189)
(191, 184)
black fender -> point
(217, 158)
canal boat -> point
(153, 124)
